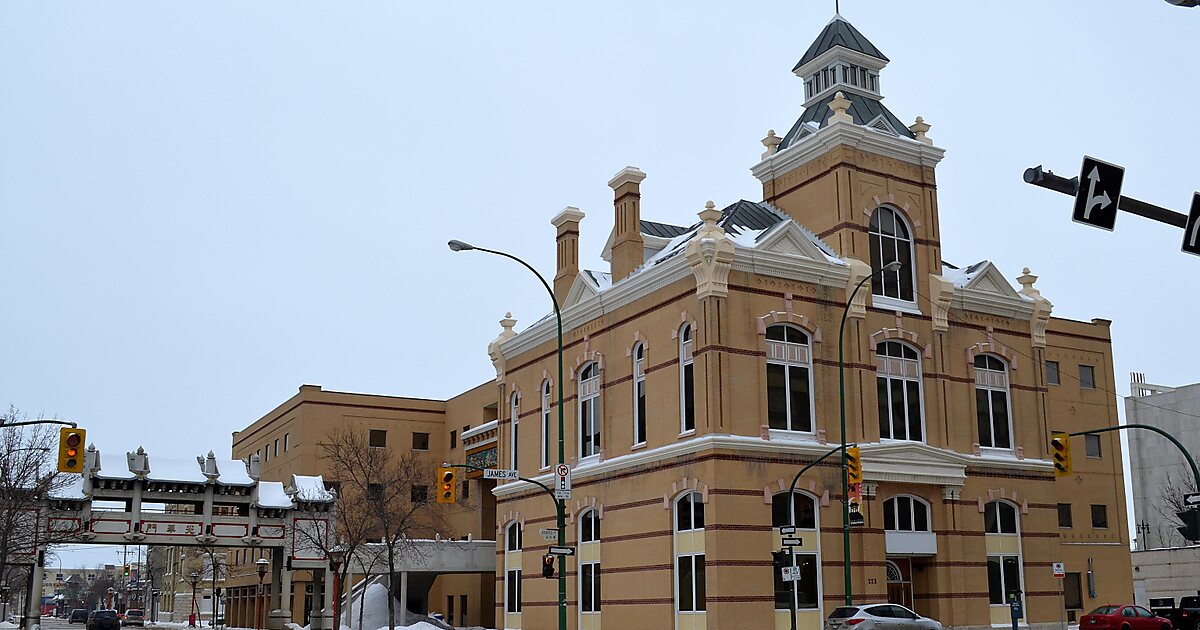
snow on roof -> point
(233, 473)
(271, 495)
(963, 277)
(172, 469)
(310, 488)
(72, 489)
(602, 279)
(113, 467)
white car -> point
(879, 617)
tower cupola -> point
(841, 58)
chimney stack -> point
(628, 251)
(567, 223)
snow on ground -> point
(8, 625)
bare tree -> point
(388, 495)
(353, 529)
(28, 476)
(1174, 487)
(96, 594)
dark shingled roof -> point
(863, 108)
(661, 230)
(839, 32)
(748, 215)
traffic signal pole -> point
(792, 518)
(1186, 455)
(1070, 186)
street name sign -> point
(561, 551)
(1099, 193)
(1191, 231)
(1191, 499)
(562, 481)
(790, 574)
(1059, 570)
(793, 542)
(787, 530)
(548, 534)
(500, 473)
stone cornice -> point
(979, 301)
(851, 134)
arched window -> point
(789, 385)
(905, 514)
(512, 573)
(589, 410)
(991, 402)
(898, 385)
(690, 583)
(1002, 525)
(891, 239)
(515, 416)
(798, 510)
(545, 424)
(687, 387)
(639, 394)
(589, 562)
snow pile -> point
(375, 613)
(7, 625)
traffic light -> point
(780, 559)
(1060, 451)
(1191, 524)
(127, 570)
(548, 567)
(853, 465)
(447, 485)
(70, 449)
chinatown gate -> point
(209, 502)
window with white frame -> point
(589, 562)
(789, 385)
(689, 512)
(512, 568)
(545, 455)
(515, 417)
(639, 394)
(689, 557)
(691, 583)
(800, 511)
(589, 410)
(891, 240)
(1004, 568)
(991, 402)
(898, 386)
(687, 383)
(513, 538)
(512, 598)
(905, 514)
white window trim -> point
(515, 414)
(919, 379)
(808, 350)
(686, 359)
(884, 300)
(639, 377)
(1007, 390)
(595, 395)
(896, 513)
(586, 514)
(544, 454)
(1020, 553)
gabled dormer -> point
(841, 58)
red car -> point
(1123, 617)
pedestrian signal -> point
(548, 567)
(447, 485)
(1060, 452)
(70, 449)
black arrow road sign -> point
(1191, 231)
(1099, 193)
(1191, 499)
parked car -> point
(1123, 617)
(879, 617)
(133, 617)
(103, 620)
(79, 615)
(1184, 617)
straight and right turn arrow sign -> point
(1191, 231)
(1099, 193)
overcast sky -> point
(205, 205)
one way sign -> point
(1192, 499)
(1099, 193)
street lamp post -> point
(892, 266)
(459, 246)
(336, 556)
(194, 611)
(4, 602)
(260, 565)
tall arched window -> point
(1002, 527)
(589, 562)
(690, 585)
(789, 385)
(687, 387)
(512, 575)
(515, 417)
(905, 514)
(798, 510)
(589, 410)
(898, 386)
(545, 455)
(891, 239)
(639, 394)
(991, 402)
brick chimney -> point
(567, 223)
(628, 251)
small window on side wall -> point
(1052, 373)
(1092, 446)
(1099, 517)
(420, 441)
(377, 438)
(1087, 377)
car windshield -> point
(1104, 610)
(132, 611)
(843, 612)
(1191, 601)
